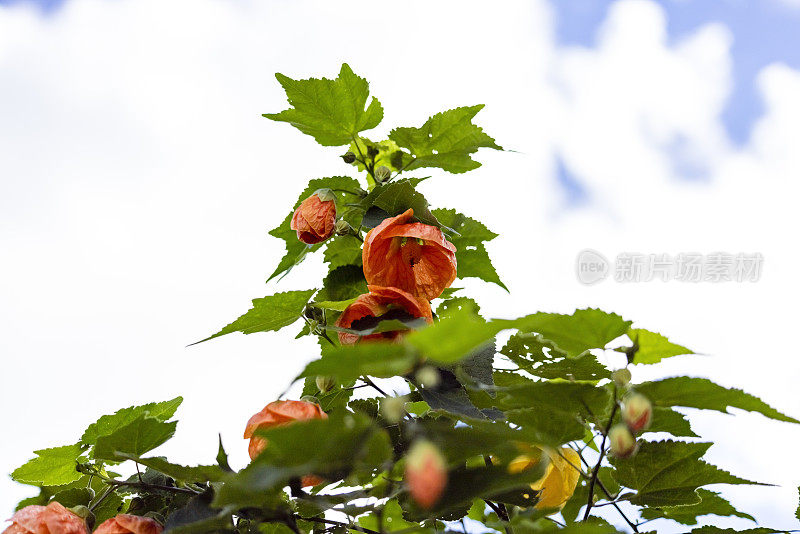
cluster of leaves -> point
(481, 404)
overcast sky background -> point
(138, 181)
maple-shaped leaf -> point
(446, 140)
(331, 111)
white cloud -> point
(138, 179)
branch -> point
(596, 470)
(608, 495)
(323, 521)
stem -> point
(363, 159)
(608, 495)
(100, 499)
(502, 513)
(596, 470)
(323, 521)
(145, 485)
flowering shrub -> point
(512, 424)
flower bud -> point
(325, 195)
(426, 473)
(309, 398)
(325, 383)
(84, 513)
(349, 157)
(428, 377)
(637, 412)
(342, 227)
(623, 444)
(393, 408)
(130, 524)
(314, 218)
(382, 174)
(621, 377)
(35, 518)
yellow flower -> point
(560, 476)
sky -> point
(138, 181)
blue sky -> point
(764, 31)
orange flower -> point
(129, 524)
(379, 302)
(280, 413)
(314, 218)
(50, 519)
(414, 257)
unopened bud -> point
(349, 157)
(84, 513)
(310, 398)
(637, 412)
(623, 444)
(325, 194)
(372, 151)
(325, 383)
(382, 174)
(428, 377)
(621, 377)
(393, 408)
(342, 227)
(426, 473)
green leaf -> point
(797, 513)
(141, 435)
(547, 411)
(453, 400)
(575, 334)
(51, 467)
(468, 237)
(541, 357)
(711, 504)
(374, 358)
(343, 283)
(446, 140)
(346, 190)
(392, 519)
(704, 394)
(397, 197)
(200, 473)
(469, 231)
(455, 337)
(478, 367)
(198, 517)
(343, 250)
(668, 473)
(222, 457)
(653, 347)
(107, 424)
(672, 422)
(269, 313)
(474, 262)
(331, 111)
(74, 497)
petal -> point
(139, 525)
